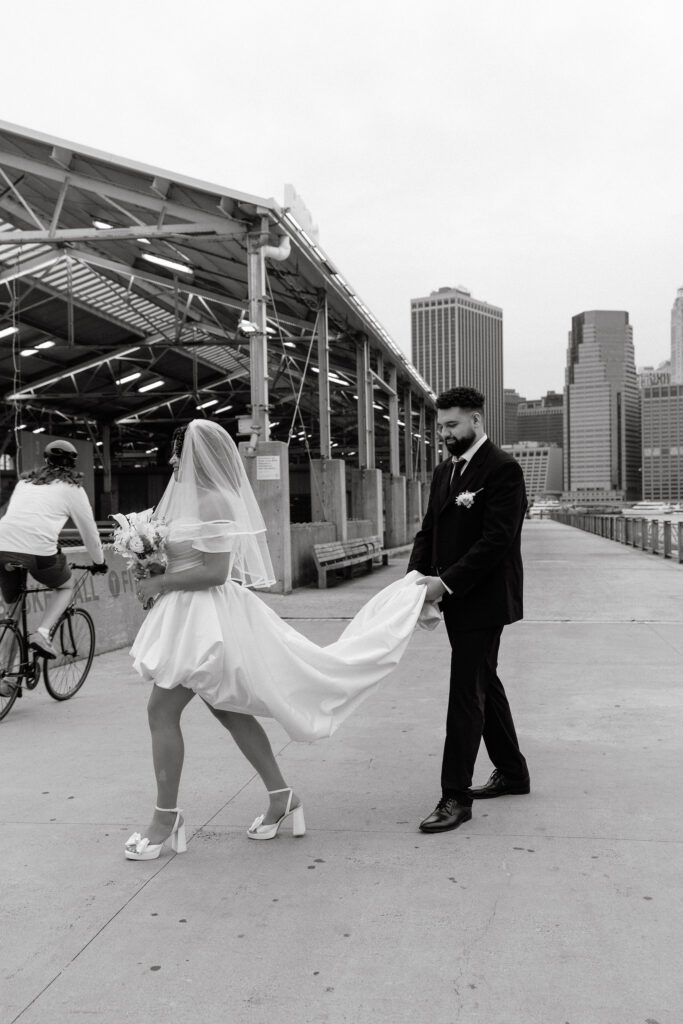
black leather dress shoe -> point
(501, 785)
(447, 814)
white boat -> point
(648, 509)
(543, 508)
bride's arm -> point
(212, 573)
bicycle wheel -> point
(74, 639)
(11, 660)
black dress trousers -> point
(477, 708)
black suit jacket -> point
(476, 551)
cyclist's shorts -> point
(50, 570)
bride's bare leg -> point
(168, 751)
(251, 738)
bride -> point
(208, 634)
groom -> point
(469, 550)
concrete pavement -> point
(562, 907)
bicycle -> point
(73, 637)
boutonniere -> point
(466, 498)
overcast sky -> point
(529, 150)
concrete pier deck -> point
(561, 907)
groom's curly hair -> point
(463, 398)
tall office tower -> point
(542, 419)
(602, 429)
(511, 402)
(457, 341)
(662, 406)
(542, 467)
(677, 339)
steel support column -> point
(258, 343)
(394, 450)
(106, 501)
(408, 433)
(324, 382)
(422, 430)
(366, 413)
(434, 439)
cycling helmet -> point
(60, 453)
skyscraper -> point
(458, 341)
(541, 419)
(602, 452)
(511, 401)
(677, 339)
(663, 442)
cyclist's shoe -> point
(7, 689)
(39, 642)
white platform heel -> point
(140, 848)
(260, 831)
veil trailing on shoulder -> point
(212, 505)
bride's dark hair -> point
(177, 440)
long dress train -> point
(234, 651)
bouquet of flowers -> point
(142, 542)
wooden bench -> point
(341, 556)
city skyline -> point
(510, 149)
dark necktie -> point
(457, 471)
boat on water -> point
(649, 509)
(542, 509)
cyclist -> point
(41, 503)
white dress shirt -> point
(465, 457)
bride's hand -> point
(149, 587)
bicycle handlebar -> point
(92, 569)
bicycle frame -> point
(30, 667)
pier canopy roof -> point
(124, 299)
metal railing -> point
(657, 536)
(70, 538)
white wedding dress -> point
(234, 651)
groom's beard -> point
(458, 446)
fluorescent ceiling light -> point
(130, 377)
(28, 352)
(103, 225)
(46, 344)
(223, 409)
(289, 344)
(276, 424)
(20, 426)
(152, 386)
(207, 405)
(150, 451)
(169, 264)
(144, 241)
(6, 332)
(39, 430)
(246, 327)
(98, 444)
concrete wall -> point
(304, 536)
(359, 528)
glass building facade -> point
(662, 422)
(602, 429)
(457, 341)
